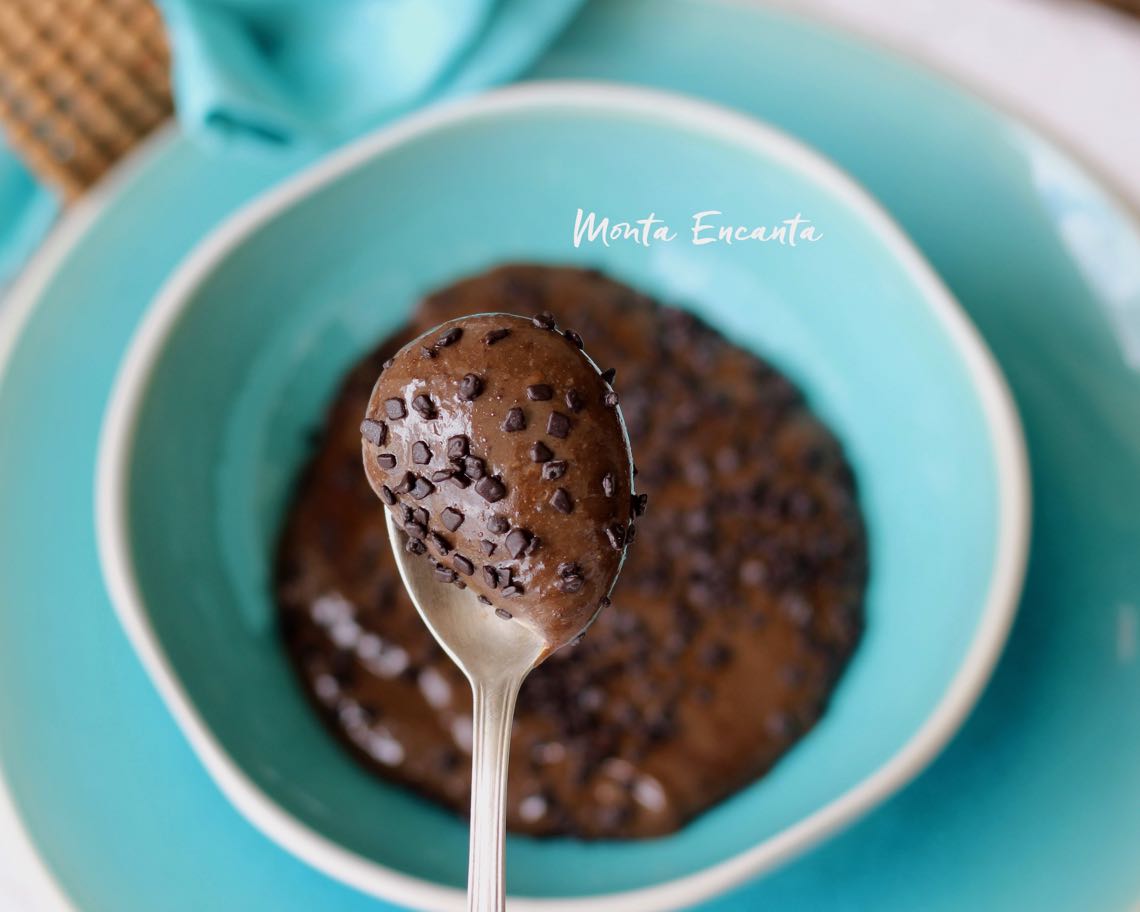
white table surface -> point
(1070, 67)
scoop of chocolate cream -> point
(500, 448)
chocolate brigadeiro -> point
(735, 613)
(488, 393)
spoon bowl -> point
(448, 407)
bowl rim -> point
(703, 119)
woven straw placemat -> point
(82, 81)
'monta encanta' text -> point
(705, 227)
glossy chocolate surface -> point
(736, 611)
(499, 448)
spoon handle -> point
(494, 709)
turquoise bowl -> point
(248, 340)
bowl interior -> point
(263, 341)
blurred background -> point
(84, 82)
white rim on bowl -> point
(36, 879)
(699, 117)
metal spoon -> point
(496, 656)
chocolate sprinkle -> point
(474, 467)
(574, 400)
(498, 523)
(561, 501)
(608, 483)
(459, 480)
(437, 541)
(515, 421)
(517, 541)
(558, 425)
(457, 447)
(405, 484)
(540, 392)
(375, 432)
(386, 495)
(544, 320)
(395, 409)
(470, 387)
(574, 337)
(450, 337)
(421, 455)
(483, 600)
(490, 488)
(415, 529)
(422, 488)
(552, 471)
(451, 518)
(415, 546)
(616, 536)
(540, 452)
(716, 655)
(608, 374)
(638, 504)
(610, 399)
(386, 461)
(570, 577)
(488, 546)
(445, 574)
(496, 335)
(491, 576)
(503, 613)
(424, 407)
(463, 565)
(442, 475)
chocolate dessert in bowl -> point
(799, 624)
(731, 621)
